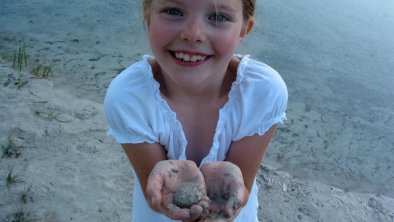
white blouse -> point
(137, 113)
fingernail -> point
(154, 200)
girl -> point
(195, 113)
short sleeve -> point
(128, 107)
(261, 99)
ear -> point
(248, 27)
(146, 22)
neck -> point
(211, 90)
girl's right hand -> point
(173, 183)
(226, 190)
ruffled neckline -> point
(175, 123)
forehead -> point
(217, 4)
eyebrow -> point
(219, 5)
(171, 1)
(216, 4)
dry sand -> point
(332, 161)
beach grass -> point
(19, 60)
(26, 196)
(11, 149)
(51, 114)
(20, 215)
(11, 177)
(42, 71)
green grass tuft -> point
(21, 216)
(11, 178)
(25, 196)
(10, 149)
(42, 71)
(19, 60)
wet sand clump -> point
(187, 195)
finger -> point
(205, 207)
(235, 199)
(176, 213)
(215, 207)
(233, 205)
(154, 188)
(195, 212)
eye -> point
(173, 11)
(217, 17)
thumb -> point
(153, 189)
(233, 204)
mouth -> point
(189, 57)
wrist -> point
(246, 196)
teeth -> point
(179, 55)
(189, 58)
(186, 57)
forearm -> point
(248, 153)
(143, 157)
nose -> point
(193, 30)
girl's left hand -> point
(226, 190)
(172, 184)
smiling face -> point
(193, 41)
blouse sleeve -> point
(262, 100)
(127, 110)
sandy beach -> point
(333, 160)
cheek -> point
(227, 41)
(160, 34)
(156, 36)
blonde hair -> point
(248, 10)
